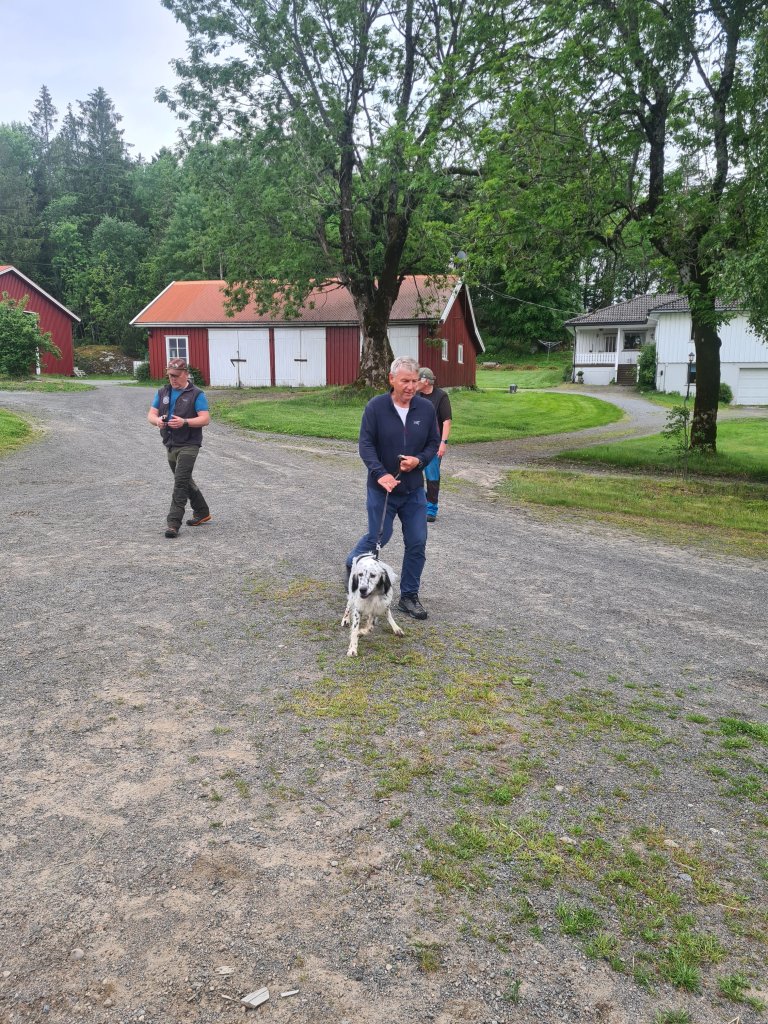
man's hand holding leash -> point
(407, 464)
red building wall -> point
(197, 347)
(51, 319)
(450, 373)
(342, 355)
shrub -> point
(646, 368)
(20, 338)
(142, 371)
(196, 376)
(726, 394)
(568, 374)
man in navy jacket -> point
(398, 437)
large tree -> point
(663, 91)
(359, 110)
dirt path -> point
(202, 796)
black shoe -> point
(410, 604)
(172, 531)
(199, 519)
(431, 518)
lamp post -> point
(691, 357)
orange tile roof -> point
(203, 302)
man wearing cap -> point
(180, 411)
(442, 406)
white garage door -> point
(753, 387)
(300, 357)
(231, 350)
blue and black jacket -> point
(384, 437)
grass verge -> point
(478, 416)
(742, 452)
(726, 515)
(14, 432)
(41, 383)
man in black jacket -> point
(180, 411)
(398, 437)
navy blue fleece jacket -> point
(384, 437)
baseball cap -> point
(426, 374)
(177, 364)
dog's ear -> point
(385, 583)
(354, 582)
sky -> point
(74, 47)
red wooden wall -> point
(450, 373)
(342, 354)
(197, 347)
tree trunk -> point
(376, 356)
(704, 424)
(374, 301)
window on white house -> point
(610, 343)
(633, 341)
(444, 352)
(460, 353)
(177, 346)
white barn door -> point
(249, 347)
(404, 342)
(300, 357)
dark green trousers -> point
(182, 462)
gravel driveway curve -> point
(176, 833)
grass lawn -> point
(14, 431)
(539, 371)
(478, 416)
(726, 515)
(43, 384)
(742, 452)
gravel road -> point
(177, 832)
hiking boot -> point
(199, 519)
(410, 604)
(172, 531)
(431, 518)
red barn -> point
(432, 321)
(51, 315)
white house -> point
(607, 345)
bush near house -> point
(646, 368)
(21, 339)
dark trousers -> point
(182, 462)
(411, 509)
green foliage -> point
(141, 373)
(20, 338)
(354, 181)
(677, 430)
(726, 394)
(646, 368)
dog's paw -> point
(352, 652)
(397, 631)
